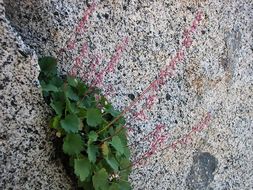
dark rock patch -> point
(201, 173)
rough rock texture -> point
(43, 25)
(216, 76)
(26, 152)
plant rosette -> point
(96, 146)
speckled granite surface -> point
(26, 154)
(216, 76)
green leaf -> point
(49, 88)
(105, 149)
(47, 63)
(112, 111)
(116, 143)
(71, 94)
(92, 151)
(112, 162)
(73, 144)
(71, 107)
(86, 185)
(55, 122)
(76, 113)
(124, 174)
(82, 113)
(121, 122)
(72, 81)
(125, 167)
(94, 117)
(127, 152)
(82, 168)
(88, 102)
(124, 185)
(71, 123)
(58, 107)
(92, 137)
(56, 81)
(124, 163)
(114, 186)
(58, 97)
(81, 88)
(100, 180)
(122, 134)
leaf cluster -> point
(99, 160)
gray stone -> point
(26, 151)
(44, 24)
(201, 173)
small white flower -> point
(114, 176)
(58, 134)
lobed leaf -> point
(71, 107)
(49, 88)
(100, 180)
(92, 137)
(114, 186)
(71, 94)
(82, 168)
(73, 144)
(116, 143)
(58, 106)
(72, 81)
(92, 151)
(81, 88)
(76, 111)
(71, 123)
(82, 113)
(112, 111)
(112, 162)
(124, 185)
(94, 117)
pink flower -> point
(186, 33)
(140, 115)
(84, 50)
(186, 139)
(199, 16)
(80, 28)
(154, 86)
(150, 101)
(187, 42)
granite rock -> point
(216, 77)
(26, 151)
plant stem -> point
(128, 107)
(108, 138)
(85, 94)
